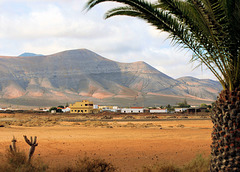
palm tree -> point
(211, 30)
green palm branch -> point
(209, 28)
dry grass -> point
(48, 120)
(17, 162)
(32, 121)
(90, 165)
(198, 164)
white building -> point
(158, 111)
(109, 108)
(95, 106)
(116, 108)
(132, 110)
(66, 109)
(1, 109)
(180, 109)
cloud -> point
(50, 26)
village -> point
(88, 107)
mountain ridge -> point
(78, 74)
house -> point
(82, 107)
(2, 109)
(132, 110)
(95, 106)
(109, 108)
(181, 109)
(196, 109)
(66, 109)
(158, 111)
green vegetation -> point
(183, 104)
(56, 109)
(169, 108)
(203, 105)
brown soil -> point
(128, 148)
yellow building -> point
(82, 107)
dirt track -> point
(127, 148)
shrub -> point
(16, 159)
(162, 168)
(17, 162)
(198, 164)
(91, 165)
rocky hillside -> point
(81, 74)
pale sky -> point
(50, 26)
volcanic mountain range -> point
(75, 75)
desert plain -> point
(128, 145)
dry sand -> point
(127, 148)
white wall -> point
(158, 111)
(180, 109)
(131, 110)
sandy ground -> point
(127, 148)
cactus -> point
(32, 145)
(12, 147)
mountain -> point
(74, 75)
(29, 55)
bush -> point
(91, 165)
(162, 168)
(17, 162)
(198, 164)
(16, 159)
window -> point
(82, 111)
(85, 110)
(86, 104)
(78, 110)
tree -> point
(53, 108)
(56, 109)
(183, 104)
(169, 108)
(67, 105)
(210, 29)
(204, 105)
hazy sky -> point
(50, 26)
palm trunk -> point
(225, 148)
